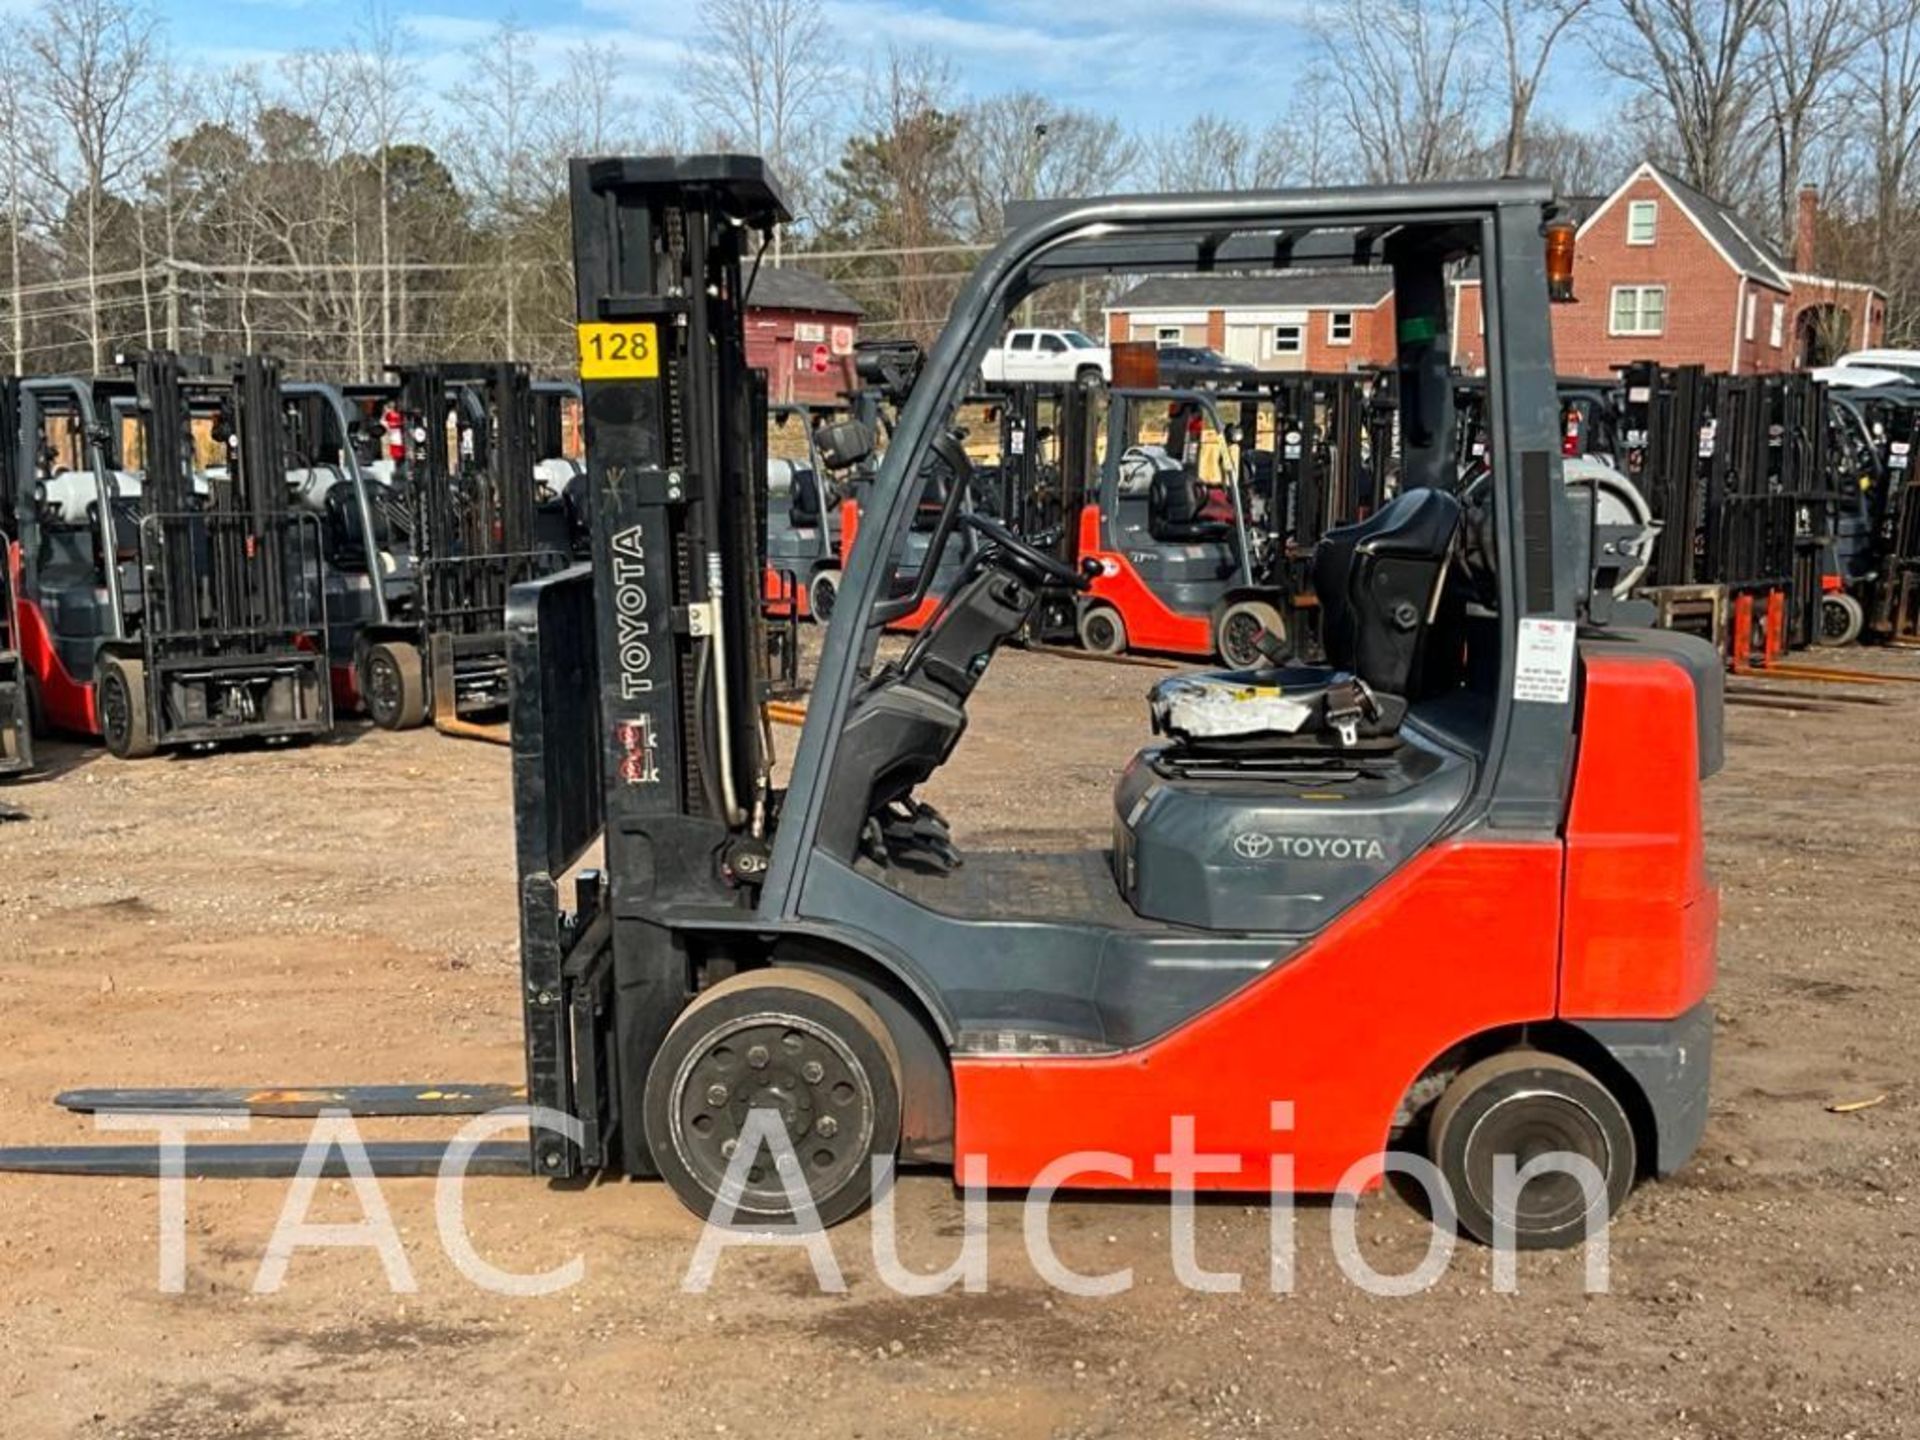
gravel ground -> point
(345, 913)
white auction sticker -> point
(1543, 670)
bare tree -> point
(762, 72)
(14, 75)
(589, 115)
(379, 75)
(900, 188)
(1806, 46)
(1530, 32)
(1211, 151)
(1408, 84)
(90, 121)
(1580, 162)
(1696, 63)
(1024, 146)
(1885, 98)
(497, 138)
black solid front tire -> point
(393, 685)
(1240, 623)
(1842, 618)
(1525, 1103)
(800, 1044)
(121, 693)
(822, 592)
(1102, 631)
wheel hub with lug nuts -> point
(803, 1074)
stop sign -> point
(822, 357)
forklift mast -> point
(637, 700)
(252, 551)
(676, 428)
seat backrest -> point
(803, 499)
(1176, 509)
(1379, 583)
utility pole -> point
(173, 307)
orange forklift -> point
(1446, 891)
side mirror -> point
(844, 444)
(1233, 435)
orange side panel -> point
(849, 528)
(1642, 913)
(344, 681)
(1462, 939)
(1151, 625)
(914, 622)
(66, 702)
(779, 595)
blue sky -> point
(1117, 57)
(1114, 56)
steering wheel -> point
(1028, 562)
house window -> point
(1166, 335)
(1753, 305)
(1639, 310)
(1643, 216)
(1288, 340)
(1340, 327)
(1778, 330)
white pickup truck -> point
(1054, 355)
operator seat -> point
(1176, 509)
(1391, 633)
(803, 499)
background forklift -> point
(474, 528)
(1499, 940)
(367, 559)
(173, 607)
(16, 702)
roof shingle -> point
(1303, 289)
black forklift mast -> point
(232, 623)
(637, 704)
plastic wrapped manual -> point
(1211, 707)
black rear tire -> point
(1526, 1103)
(121, 694)
(800, 1044)
(393, 685)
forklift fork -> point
(393, 1159)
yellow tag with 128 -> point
(619, 352)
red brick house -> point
(1324, 320)
(801, 330)
(1663, 272)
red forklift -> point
(1208, 505)
(1446, 891)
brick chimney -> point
(1804, 219)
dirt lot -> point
(345, 913)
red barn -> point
(801, 330)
